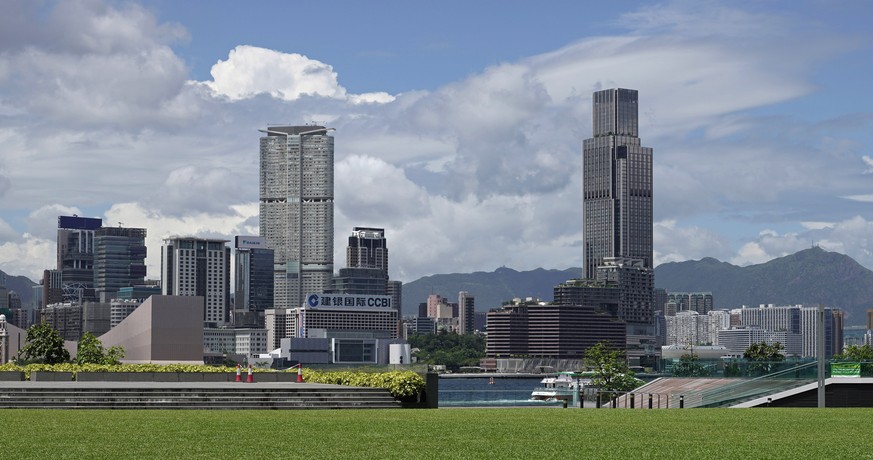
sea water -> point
(478, 392)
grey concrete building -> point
(296, 209)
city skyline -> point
(466, 138)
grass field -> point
(444, 433)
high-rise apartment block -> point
(296, 209)
(253, 275)
(701, 302)
(119, 260)
(198, 267)
(617, 184)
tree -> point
(862, 354)
(856, 353)
(90, 350)
(762, 356)
(689, 366)
(44, 345)
(610, 369)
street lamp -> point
(320, 129)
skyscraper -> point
(296, 209)
(198, 267)
(367, 249)
(466, 313)
(76, 256)
(617, 184)
(254, 281)
(119, 260)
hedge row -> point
(401, 384)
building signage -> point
(347, 300)
(251, 242)
(846, 370)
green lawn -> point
(444, 433)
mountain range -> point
(811, 276)
(491, 289)
(22, 285)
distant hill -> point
(21, 285)
(491, 289)
(811, 276)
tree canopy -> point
(764, 352)
(856, 353)
(689, 366)
(90, 350)
(449, 349)
(610, 368)
(44, 345)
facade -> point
(73, 319)
(164, 329)
(296, 209)
(636, 284)
(617, 184)
(368, 249)
(119, 260)
(253, 273)
(690, 328)
(359, 280)
(701, 302)
(738, 340)
(119, 309)
(549, 330)
(279, 325)
(198, 267)
(797, 319)
(467, 313)
(52, 288)
(241, 341)
(75, 257)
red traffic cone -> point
(238, 377)
(250, 379)
(299, 372)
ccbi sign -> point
(347, 301)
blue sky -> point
(459, 124)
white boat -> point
(559, 387)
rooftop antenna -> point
(121, 224)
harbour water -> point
(478, 391)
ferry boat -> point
(560, 387)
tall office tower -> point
(296, 209)
(76, 256)
(467, 312)
(254, 281)
(198, 267)
(119, 260)
(617, 184)
(52, 288)
(367, 249)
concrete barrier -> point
(11, 376)
(43, 376)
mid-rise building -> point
(296, 209)
(193, 266)
(119, 260)
(738, 340)
(254, 281)
(548, 330)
